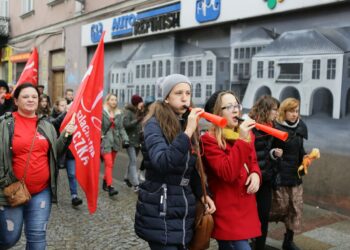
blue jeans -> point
(35, 216)
(233, 245)
(131, 173)
(70, 166)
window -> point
(190, 68)
(27, 6)
(154, 69)
(148, 71)
(246, 69)
(160, 68)
(290, 72)
(116, 78)
(260, 72)
(208, 91)
(168, 68)
(235, 69)
(142, 90)
(137, 90)
(123, 78)
(209, 67)
(247, 52)
(241, 53)
(153, 91)
(331, 64)
(143, 71)
(316, 65)
(112, 80)
(198, 90)
(147, 90)
(222, 66)
(4, 8)
(138, 71)
(271, 72)
(183, 68)
(253, 51)
(198, 68)
(349, 67)
(236, 54)
(258, 49)
(240, 70)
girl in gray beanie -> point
(165, 208)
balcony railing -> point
(4, 27)
(289, 78)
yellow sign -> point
(20, 57)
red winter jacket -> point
(236, 216)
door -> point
(57, 85)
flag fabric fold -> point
(30, 71)
(85, 146)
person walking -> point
(287, 200)
(133, 116)
(29, 148)
(165, 209)
(264, 112)
(233, 174)
(113, 138)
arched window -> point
(198, 90)
(167, 69)
(209, 67)
(154, 69)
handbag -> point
(17, 193)
(204, 223)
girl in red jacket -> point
(233, 173)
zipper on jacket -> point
(186, 204)
(163, 201)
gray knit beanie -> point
(170, 81)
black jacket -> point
(293, 154)
(165, 208)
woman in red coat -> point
(233, 174)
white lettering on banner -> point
(83, 143)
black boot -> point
(112, 191)
(104, 185)
(288, 243)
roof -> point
(300, 42)
(256, 36)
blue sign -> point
(207, 10)
(96, 32)
(123, 25)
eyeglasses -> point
(231, 107)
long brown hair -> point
(261, 110)
(167, 119)
(217, 110)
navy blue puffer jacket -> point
(165, 208)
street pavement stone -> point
(111, 227)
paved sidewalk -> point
(111, 227)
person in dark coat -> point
(6, 101)
(165, 209)
(264, 112)
(287, 200)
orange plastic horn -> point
(217, 120)
(272, 131)
(269, 130)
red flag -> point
(85, 146)
(30, 71)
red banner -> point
(30, 71)
(85, 146)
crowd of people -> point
(252, 177)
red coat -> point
(236, 216)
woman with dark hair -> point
(6, 101)
(233, 173)
(165, 209)
(264, 112)
(287, 199)
(29, 149)
(44, 105)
